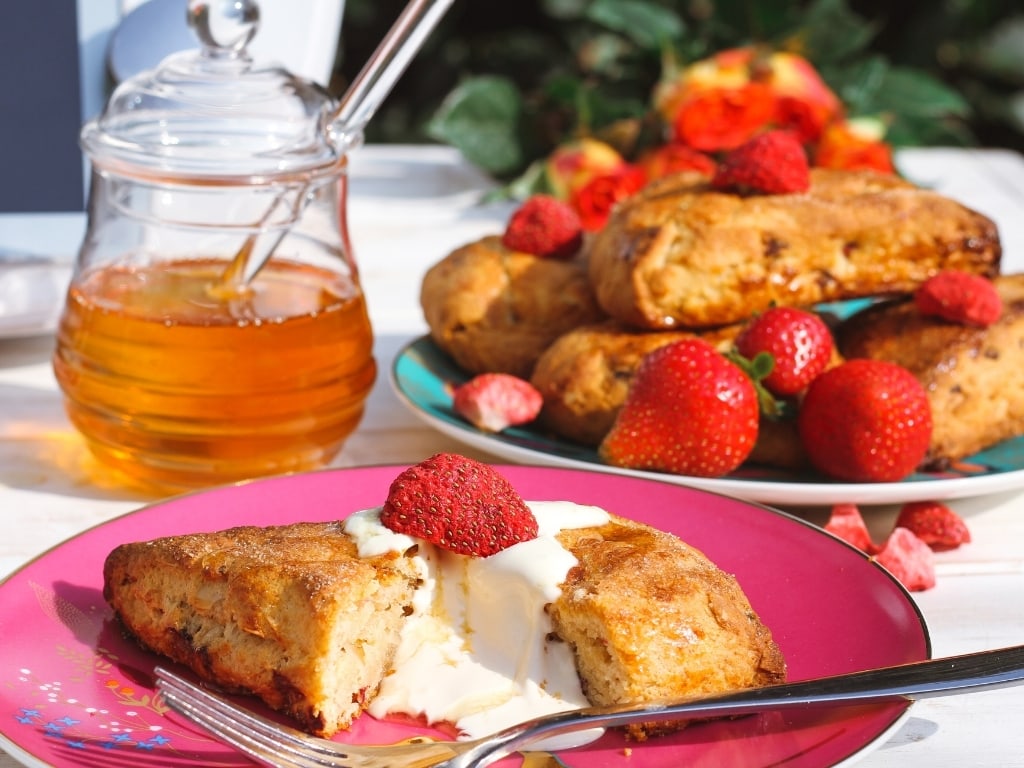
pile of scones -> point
(681, 258)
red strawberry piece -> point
(846, 522)
(935, 524)
(908, 559)
(865, 421)
(773, 163)
(689, 411)
(458, 504)
(546, 227)
(799, 342)
(959, 297)
(494, 401)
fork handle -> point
(970, 672)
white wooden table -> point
(409, 207)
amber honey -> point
(179, 385)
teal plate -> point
(423, 376)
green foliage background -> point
(505, 82)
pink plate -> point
(74, 692)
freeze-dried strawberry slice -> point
(545, 227)
(494, 401)
(908, 559)
(846, 522)
(960, 297)
(771, 163)
(458, 504)
(935, 524)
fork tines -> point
(279, 746)
(263, 740)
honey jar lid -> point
(214, 112)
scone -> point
(682, 255)
(585, 374)
(293, 615)
(972, 375)
(650, 617)
(289, 613)
(493, 309)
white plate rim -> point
(762, 491)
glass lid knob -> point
(224, 31)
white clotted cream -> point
(478, 650)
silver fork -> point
(271, 744)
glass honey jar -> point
(215, 328)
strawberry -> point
(959, 297)
(846, 522)
(935, 524)
(546, 227)
(772, 163)
(494, 401)
(908, 559)
(799, 342)
(458, 504)
(865, 421)
(689, 411)
(921, 528)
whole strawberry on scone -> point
(689, 411)
(798, 341)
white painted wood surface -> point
(409, 207)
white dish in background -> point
(31, 295)
(427, 180)
(422, 376)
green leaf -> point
(648, 25)
(1001, 52)
(481, 118)
(602, 109)
(563, 89)
(770, 20)
(594, 106)
(995, 104)
(738, 22)
(872, 86)
(919, 109)
(762, 364)
(914, 92)
(756, 370)
(532, 181)
(831, 32)
(918, 131)
(857, 84)
(565, 9)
